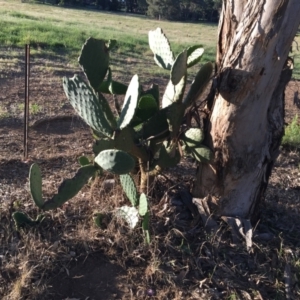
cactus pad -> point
(130, 103)
(179, 68)
(143, 205)
(115, 161)
(194, 54)
(202, 154)
(22, 219)
(129, 188)
(95, 111)
(161, 49)
(70, 187)
(35, 185)
(174, 93)
(198, 85)
(193, 137)
(94, 60)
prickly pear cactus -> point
(94, 60)
(22, 219)
(179, 68)
(130, 103)
(94, 111)
(143, 205)
(67, 190)
(199, 84)
(194, 54)
(115, 161)
(129, 188)
(193, 137)
(35, 185)
(161, 49)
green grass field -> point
(63, 31)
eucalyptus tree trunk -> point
(245, 122)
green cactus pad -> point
(115, 161)
(84, 161)
(203, 154)
(179, 68)
(161, 49)
(110, 86)
(174, 93)
(22, 219)
(200, 82)
(130, 103)
(155, 126)
(98, 218)
(193, 137)
(95, 111)
(145, 226)
(129, 188)
(115, 87)
(194, 54)
(168, 157)
(70, 187)
(147, 107)
(124, 139)
(103, 144)
(143, 205)
(35, 185)
(175, 114)
(94, 60)
(154, 91)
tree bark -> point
(246, 115)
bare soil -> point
(68, 257)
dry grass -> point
(68, 256)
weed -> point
(291, 136)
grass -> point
(63, 29)
(292, 134)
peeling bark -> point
(246, 120)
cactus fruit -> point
(35, 185)
(94, 60)
(94, 111)
(130, 103)
(194, 54)
(115, 161)
(161, 49)
(198, 85)
(21, 219)
(179, 68)
(143, 205)
(129, 188)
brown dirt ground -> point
(67, 257)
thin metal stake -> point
(26, 104)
